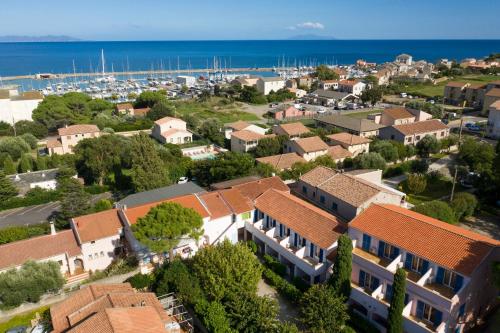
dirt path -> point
(288, 311)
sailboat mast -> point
(102, 61)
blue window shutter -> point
(409, 258)
(395, 253)
(388, 292)
(311, 251)
(440, 275)
(256, 215)
(420, 309)
(366, 242)
(375, 283)
(281, 230)
(407, 298)
(425, 267)
(381, 247)
(459, 281)
(295, 238)
(321, 255)
(438, 317)
(361, 278)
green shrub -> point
(360, 324)
(275, 265)
(96, 189)
(464, 204)
(300, 284)
(253, 246)
(36, 196)
(140, 281)
(12, 234)
(284, 287)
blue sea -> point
(31, 58)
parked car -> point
(183, 180)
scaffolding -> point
(181, 319)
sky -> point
(255, 19)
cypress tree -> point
(7, 189)
(395, 316)
(8, 166)
(26, 163)
(341, 276)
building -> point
(354, 144)
(490, 97)
(281, 162)
(299, 93)
(125, 108)
(353, 87)
(493, 127)
(245, 140)
(396, 116)
(339, 153)
(289, 111)
(159, 194)
(405, 59)
(344, 194)
(241, 125)
(15, 106)
(360, 127)
(300, 235)
(329, 98)
(454, 93)
(292, 130)
(267, 84)
(246, 81)
(448, 285)
(142, 112)
(45, 179)
(69, 137)
(412, 133)
(308, 148)
(184, 80)
(171, 130)
(329, 84)
(117, 308)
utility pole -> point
(456, 168)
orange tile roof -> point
(253, 189)
(349, 139)
(309, 221)
(124, 106)
(338, 152)
(246, 135)
(99, 225)
(165, 120)
(447, 245)
(141, 112)
(239, 125)
(37, 248)
(237, 202)
(456, 84)
(216, 205)
(54, 143)
(495, 92)
(311, 144)
(135, 319)
(495, 105)
(349, 82)
(188, 201)
(398, 113)
(78, 129)
(292, 129)
(282, 161)
(421, 127)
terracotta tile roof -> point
(348, 82)
(98, 225)
(165, 120)
(246, 135)
(233, 182)
(37, 248)
(421, 127)
(292, 129)
(253, 189)
(348, 139)
(447, 245)
(495, 105)
(174, 131)
(54, 143)
(281, 162)
(188, 201)
(237, 202)
(216, 205)
(398, 113)
(136, 319)
(350, 123)
(309, 221)
(239, 125)
(456, 84)
(495, 92)
(338, 152)
(141, 112)
(124, 106)
(311, 144)
(78, 129)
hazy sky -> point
(252, 19)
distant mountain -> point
(311, 37)
(48, 38)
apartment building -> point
(241, 125)
(412, 133)
(69, 137)
(245, 140)
(171, 130)
(493, 127)
(353, 143)
(292, 130)
(267, 84)
(282, 161)
(449, 284)
(354, 87)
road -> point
(36, 214)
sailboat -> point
(104, 78)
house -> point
(171, 130)
(141, 112)
(454, 93)
(491, 97)
(292, 130)
(412, 133)
(329, 98)
(309, 148)
(69, 137)
(361, 127)
(344, 194)
(241, 125)
(383, 76)
(45, 179)
(289, 111)
(396, 116)
(449, 287)
(116, 308)
(329, 84)
(246, 81)
(184, 80)
(305, 81)
(354, 87)
(17, 106)
(341, 72)
(245, 140)
(125, 108)
(299, 93)
(296, 233)
(281, 162)
(354, 144)
(267, 84)
(493, 127)
(339, 153)
(405, 59)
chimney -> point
(52, 228)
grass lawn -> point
(23, 319)
(361, 115)
(217, 108)
(435, 190)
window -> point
(388, 292)
(428, 313)
(389, 251)
(304, 241)
(246, 215)
(102, 254)
(461, 311)
(304, 189)
(366, 242)
(417, 138)
(322, 199)
(92, 242)
(416, 264)
(90, 256)
(334, 206)
(60, 262)
(314, 194)
(68, 137)
(368, 281)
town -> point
(353, 198)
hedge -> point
(33, 197)
(275, 265)
(284, 287)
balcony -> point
(371, 257)
(441, 290)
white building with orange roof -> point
(245, 140)
(449, 285)
(292, 130)
(241, 125)
(171, 130)
(69, 137)
(354, 87)
(493, 126)
(308, 148)
(353, 143)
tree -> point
(14, 146)
(449, 141)
(30, 139)
(323, 311)
(370, 161)
(227, 269)
(323, 72)
(176, 277)
(225, 166)
(265, 170)
(437, 209)
(57, 111)
(7, 188)
(478, 156)
(163, 227)
(75, 201)
(6, 129)
(395, 314)
(148, 99)
(464, 204)
(341, 276)
(148, 170)
(214, 317)
(41, 163)
(103, 204)
(428, 145)
(385, 148)
(416, 183)
(371, 79)
(161, 109)
(269, 147)
(372, 95)
(419, 166)
(9, 167)
(26, 163)
(249, 313)
(250, 94)
(211, 129)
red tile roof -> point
(338, 152)
(239, 125)
(282, 161)
(54, 143)
(307, 220)
(348, 139)
(78, 129)
(165, 120)
(310, 144)
(292, 129)
(421, 127)
(447, 245)
(246, 135)
(398, 113)
(253, 189)
(495, 92)
(98, 225)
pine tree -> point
(395, 316)
(7, 189)
(341, 276)
(9, 167)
